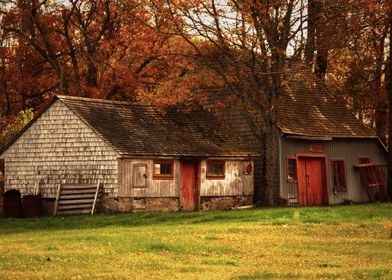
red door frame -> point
(323, 157)
(197, 170)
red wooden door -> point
(189, 186)
(311, 181)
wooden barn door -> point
(189, 186)
(312, 181)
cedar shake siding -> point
(59, 148)
(143, 157)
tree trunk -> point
(389, 92)
(380, 114)
(270, 165)
(310, 41)
(321, 61)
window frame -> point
(163, 176)
(216, 176)
(343, 174)
(289, 178)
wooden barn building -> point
(178, 160)
(145, 159)
(326, 155)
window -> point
(291, 169)
(215, 169)
(338, 175)
(163, 169)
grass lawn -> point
(331, 242)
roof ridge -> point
(103, 101)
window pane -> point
(157, 168)
(166, 169)
(338, 175)
(292, 169)
(163, 169)
(215, 169)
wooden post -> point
(95, 198)
(56, 205)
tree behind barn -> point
(245, 44)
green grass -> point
(346, 242)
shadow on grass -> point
(267, 216)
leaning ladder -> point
(373, 180)
(76, 199)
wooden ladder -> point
(76, 199)
(373, 180)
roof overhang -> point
(309, 138)
(330, 138)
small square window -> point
(291, 169)
(163, 169)
(215, 169)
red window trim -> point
(291, 180)
(344, 187)
(216, 177)
(163, 176)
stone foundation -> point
(224, 202)
(126, 204)
(155, 204)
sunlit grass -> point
(264, 243)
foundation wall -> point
(147, 204)
(224, 202)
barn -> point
(326, 155)
(144, 159)
(185, 160)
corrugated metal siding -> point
(59, 148)
(348, 149)
(236, 182)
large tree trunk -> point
(389, 91)
(270, 165)
(380, 114)
(310, 41)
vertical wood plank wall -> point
(348, 149)
(59, 148)
(236, 182)
(154, 187)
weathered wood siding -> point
(236, 182)
(132, 187)
(348, 149)
(59, 148)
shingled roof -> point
(133, 129)
(307, 108)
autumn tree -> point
(244, 44)
(389, 91)
(89, 48)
